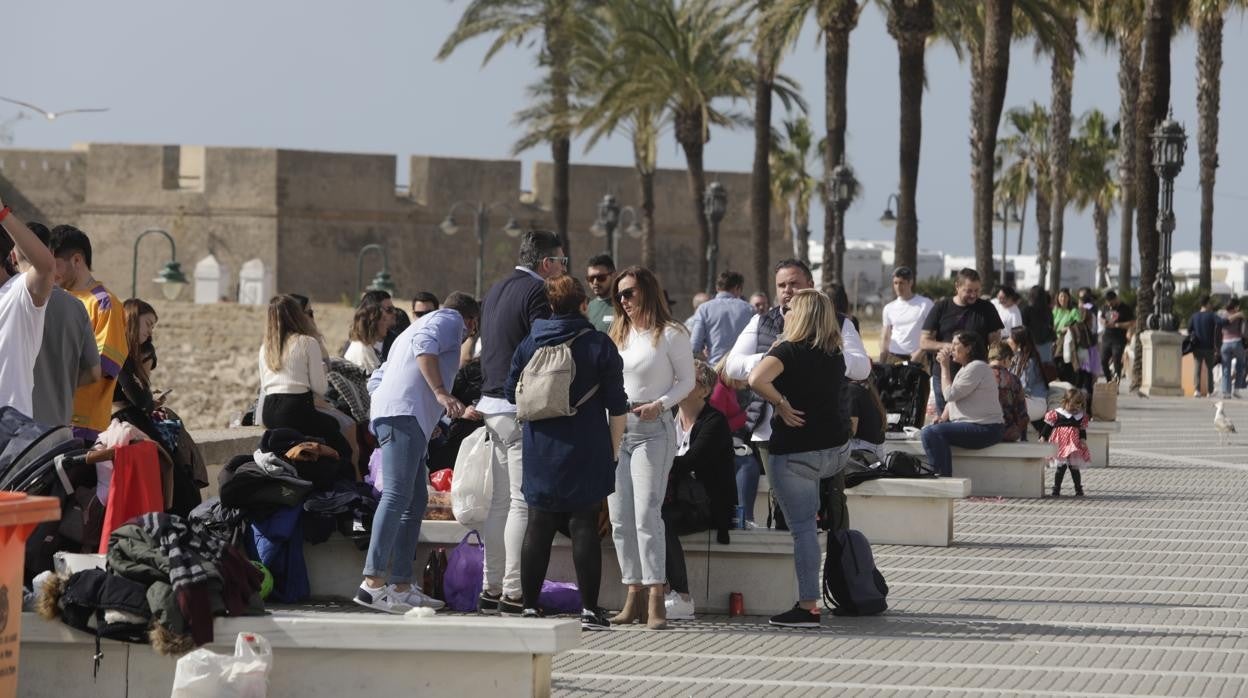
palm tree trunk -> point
(645, 181)
(1043, 234)
(1154, 98)
(690, 135)
(1128, 92)
(998, 30)
(839, 23)
(561, 145)
(977, 126)
(1022, 225)
(1100, 221)
(760, 178)
(1208, 99)
(1062, 80)
(910, 23)
(561, 149)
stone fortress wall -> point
(305, 215)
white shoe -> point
(750, 525)
(382, 599)
(677, 608)
(1235, 394)
(416, 598)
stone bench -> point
(895, 511)
(219, 446)
(1013, 469)
(1099, 434)
(320, 654)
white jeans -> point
(503, 532)
(636, 505)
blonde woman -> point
(292, 375)
(803, 379)
(658, 374)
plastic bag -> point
(472, 485)
(461, 582)
(441, 480)
(206, 674)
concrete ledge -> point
(1098, 442)
(320, 654)
(906, 511)
(219, 446)
(1005, 470)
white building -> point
(1077, 272)
(869, 268)
(1229, 271)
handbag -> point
(472, 485)
(461, 582)
(1105, 402)
(689, 509)
(1189, 344)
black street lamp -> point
(481, 212)
(170, 278)
(381, 282)
(1169, 145)
(840, 194)
(714, 206)
(1007, 215)
(888, 219)
(610, 214)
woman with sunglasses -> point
(658, 374)
(369, 327)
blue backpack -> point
(852, 586)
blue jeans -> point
(636, 506)
(748, 471)
(396, 525)
(795, 479)
(1233, 351)
(938, 439)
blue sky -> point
(361, 77)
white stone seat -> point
(1099, 434)
(1014, 469)
(906, 511)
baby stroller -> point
(903, 389)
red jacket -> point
(724, 399)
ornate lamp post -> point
(610, 214)
(381, 282)
(481, 212)
(714, 206)
(170, 278)
(888, 219)
(1169, 145)
(840, 194)
(1007, 215)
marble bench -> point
(1013, 469)
(319, 654)
(1099, 434)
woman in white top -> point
(292, 375)
(658, 374)
(368, 328)
(972, 417)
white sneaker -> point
(416, 598)
(382, 599)
(677, 608)
(750, 525)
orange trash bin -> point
(18, 515)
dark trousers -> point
(1111, 357)
(298, 411)
(677, 573)
(586, 552)
(1202, 362)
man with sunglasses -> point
(507, 315)
(600, 274)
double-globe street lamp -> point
(1169, 145)
(170, 278)
(381, 282)
(843, 187)
(481, 212)
(714, 206)
(610, 215)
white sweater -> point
(303, 369)
(362, 355)
(663, 372)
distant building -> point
(1229, 272)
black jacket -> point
(709, 460)
(507, 316)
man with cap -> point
(902, 321)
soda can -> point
(736, 604)
(740, 516)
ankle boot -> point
(634, 607)
(1077, 478)
(1057, 480)
(657, 609)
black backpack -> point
(852, 586)
(902, 464)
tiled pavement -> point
(1137, 589)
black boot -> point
(1057, 480)
(1077, 478)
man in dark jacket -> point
(507, 315)
(1203, 330)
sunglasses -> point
(388, 310)
(561, 260)
(421, 313)
(597, 277)
(627, 294)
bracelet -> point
(4, 212)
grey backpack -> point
(545, 387)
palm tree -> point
(514, 21)
(1092, 182)
(689, 57)
(1024, 154)
(1061, 83)
(793, 183)
(910, 23)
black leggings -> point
(298, 411)
(677, 573)
(586, 552)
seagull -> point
(50, 115)
(1223, 424)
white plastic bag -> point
(472, 485)
(206, 674)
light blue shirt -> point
(399, 389)
(717, 323)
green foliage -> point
(934, 288)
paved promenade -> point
(1137, 589)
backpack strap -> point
(594, 389)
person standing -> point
(803, 379)
(600, 273)
(1202, 327)
(902, 321)
(23, 305)
(509, 309)
(1006, 303)
(569, 462)
(965, 311)
(1038, 319)
(658, 374)
(718, 322)
(410, 393)
(68, 357)
(93, 402)
(1234, 326)
(1116, 319)
(698, 299)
